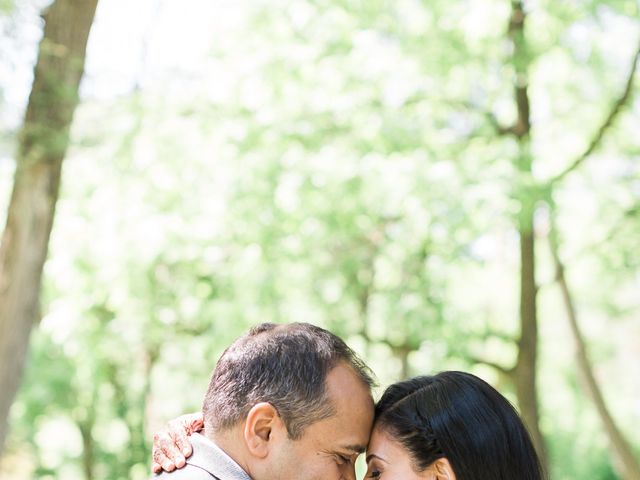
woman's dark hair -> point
(458, 416)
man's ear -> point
(261, 426)
(443, 470)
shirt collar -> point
(208, 456)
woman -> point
(450, 426)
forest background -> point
(445, 184)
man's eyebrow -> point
(355, 448)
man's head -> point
(290, 402)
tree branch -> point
(628, 465)
(608, 122)
(500, 129)
(508, 372)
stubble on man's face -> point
(328, 448)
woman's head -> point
(450, 426)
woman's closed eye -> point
(374, 468)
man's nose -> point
(349, 473)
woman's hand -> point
(171, 445)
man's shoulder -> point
(207, 462)
(188, 472)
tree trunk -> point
(88, 450)
(42, 145)
(525, 377)
(402, 353)
(137, 420)
(627, 463)
(525, 371)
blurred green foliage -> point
(333, 162)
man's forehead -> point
(346, 431)
(349, 428)
(343, 383)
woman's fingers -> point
(182, 444)
(183, 426)
(196, 422)
(166, 453)
(173, 453)
(171, 445)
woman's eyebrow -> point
(371, 456)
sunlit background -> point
(336, 162)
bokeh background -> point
(411, 174)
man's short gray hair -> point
(284, 365)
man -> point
(285, 402)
